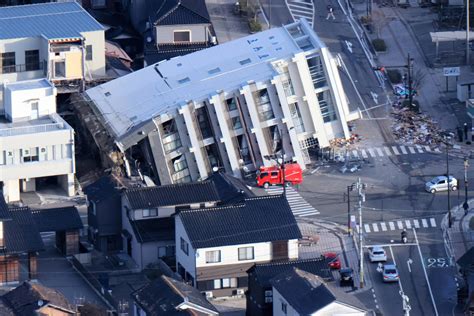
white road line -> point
(417, 223)
(392, 225)
(395, 150)
(408, 224)
(364, 154)
(427, 148)
(420, 149)
(412, 150)
(390, 245)
(367, 228)
(437, 150)
(395, 263)
(387, 151)
(379, 151)
(372, 152)
(400, 224)
(355, 153)
(375, 227)
(424, 270)
(403, 149)
(433, 222)
(424, 222)
(384, 226)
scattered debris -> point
(415, 128)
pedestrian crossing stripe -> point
(412, 150)
(376, 152)
(403, 150)
(387, 151)
(297, 203)
(299, 9)
(399, 225)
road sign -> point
(451, 71)
(409, 262)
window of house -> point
(236, 123)
(283, 307)
(30, 154)
(182, 36)
(151, 212)
(225, 283)
(60, 69)
(88, 52)
(184, 246)
(213, 256)
(166, 251)
(32, 61)
(231, 104)
(246, 253)
(8, 62)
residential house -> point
(229, 106)
(148, 225)
(65, 222)
(167, 296)
(59, 41)
(104, 214)
(176, 28)
(35, 299)
(298, 292)
(216, 246)
(37, 144)
(260, 294)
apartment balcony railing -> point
(57, 123)
(23, 68)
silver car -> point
(440, 183)
(377, 254)
(390, 273)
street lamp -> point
(349, 189)
(466, 204)
(450, 221)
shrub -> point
(254, 26)
(379, 45)
(394, 75)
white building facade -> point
(35, 142)
(230, 106)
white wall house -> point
(57, 41)
(230, 105)
(216, 246)
(35, 142)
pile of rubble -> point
(415, 128)
(342, 142)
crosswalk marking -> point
(364, 154)
(387, 151)
(371, 152)
(297, 203)
(427, 148)
(301, 9)
(355, 153)
(379, 151)
(403, 150)
(382, 151)
(412, 150)
(437, 150)
(420, 149)
(395, 150)
(407, 224)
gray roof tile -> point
(57, 219)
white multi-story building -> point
(59, 41)
(229, 106)
(35, 142)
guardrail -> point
(14, 131)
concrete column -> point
(67, 183)
(288, 121)
(195, 148)
(246, 91)
(337, 90)
(28, 185)
(159, 157)
(220, 108)
(311, 99)
(11, 190)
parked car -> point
(390, 273)
(377, 254)
(335, 262)
(440, 184)
(346, 277)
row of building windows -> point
(244, 253)
(26, 155)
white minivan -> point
(440, 183)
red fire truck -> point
(267, 176)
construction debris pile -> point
(342, 142)
(415, 128)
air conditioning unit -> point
(268, 299)
(208, 294)
(240, 292)
(26, 152)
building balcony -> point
(50, 123)
(23, 68)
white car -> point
(377, 254)
(440, 183)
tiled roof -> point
(168, 51)
(51, 20)
(259, 219)
(4, 214)
(307, 293)
(57, 219)
(229, 188)
(21, 233)
(264, 272)
(102, 189)
(176, 12)
(170, 195)
(25, 299)
(156, 229)
(165, 294)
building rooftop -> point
(57, 219)
(258, 219)
(177, 12)
(53, 122)
(21, 233)
(153, 229)
(164, 87)
(29, 85)
(57, 20)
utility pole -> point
(349, 189)
(410, 82)
(467, 33)
(360, 186)
(449, 185)
(466, 204)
